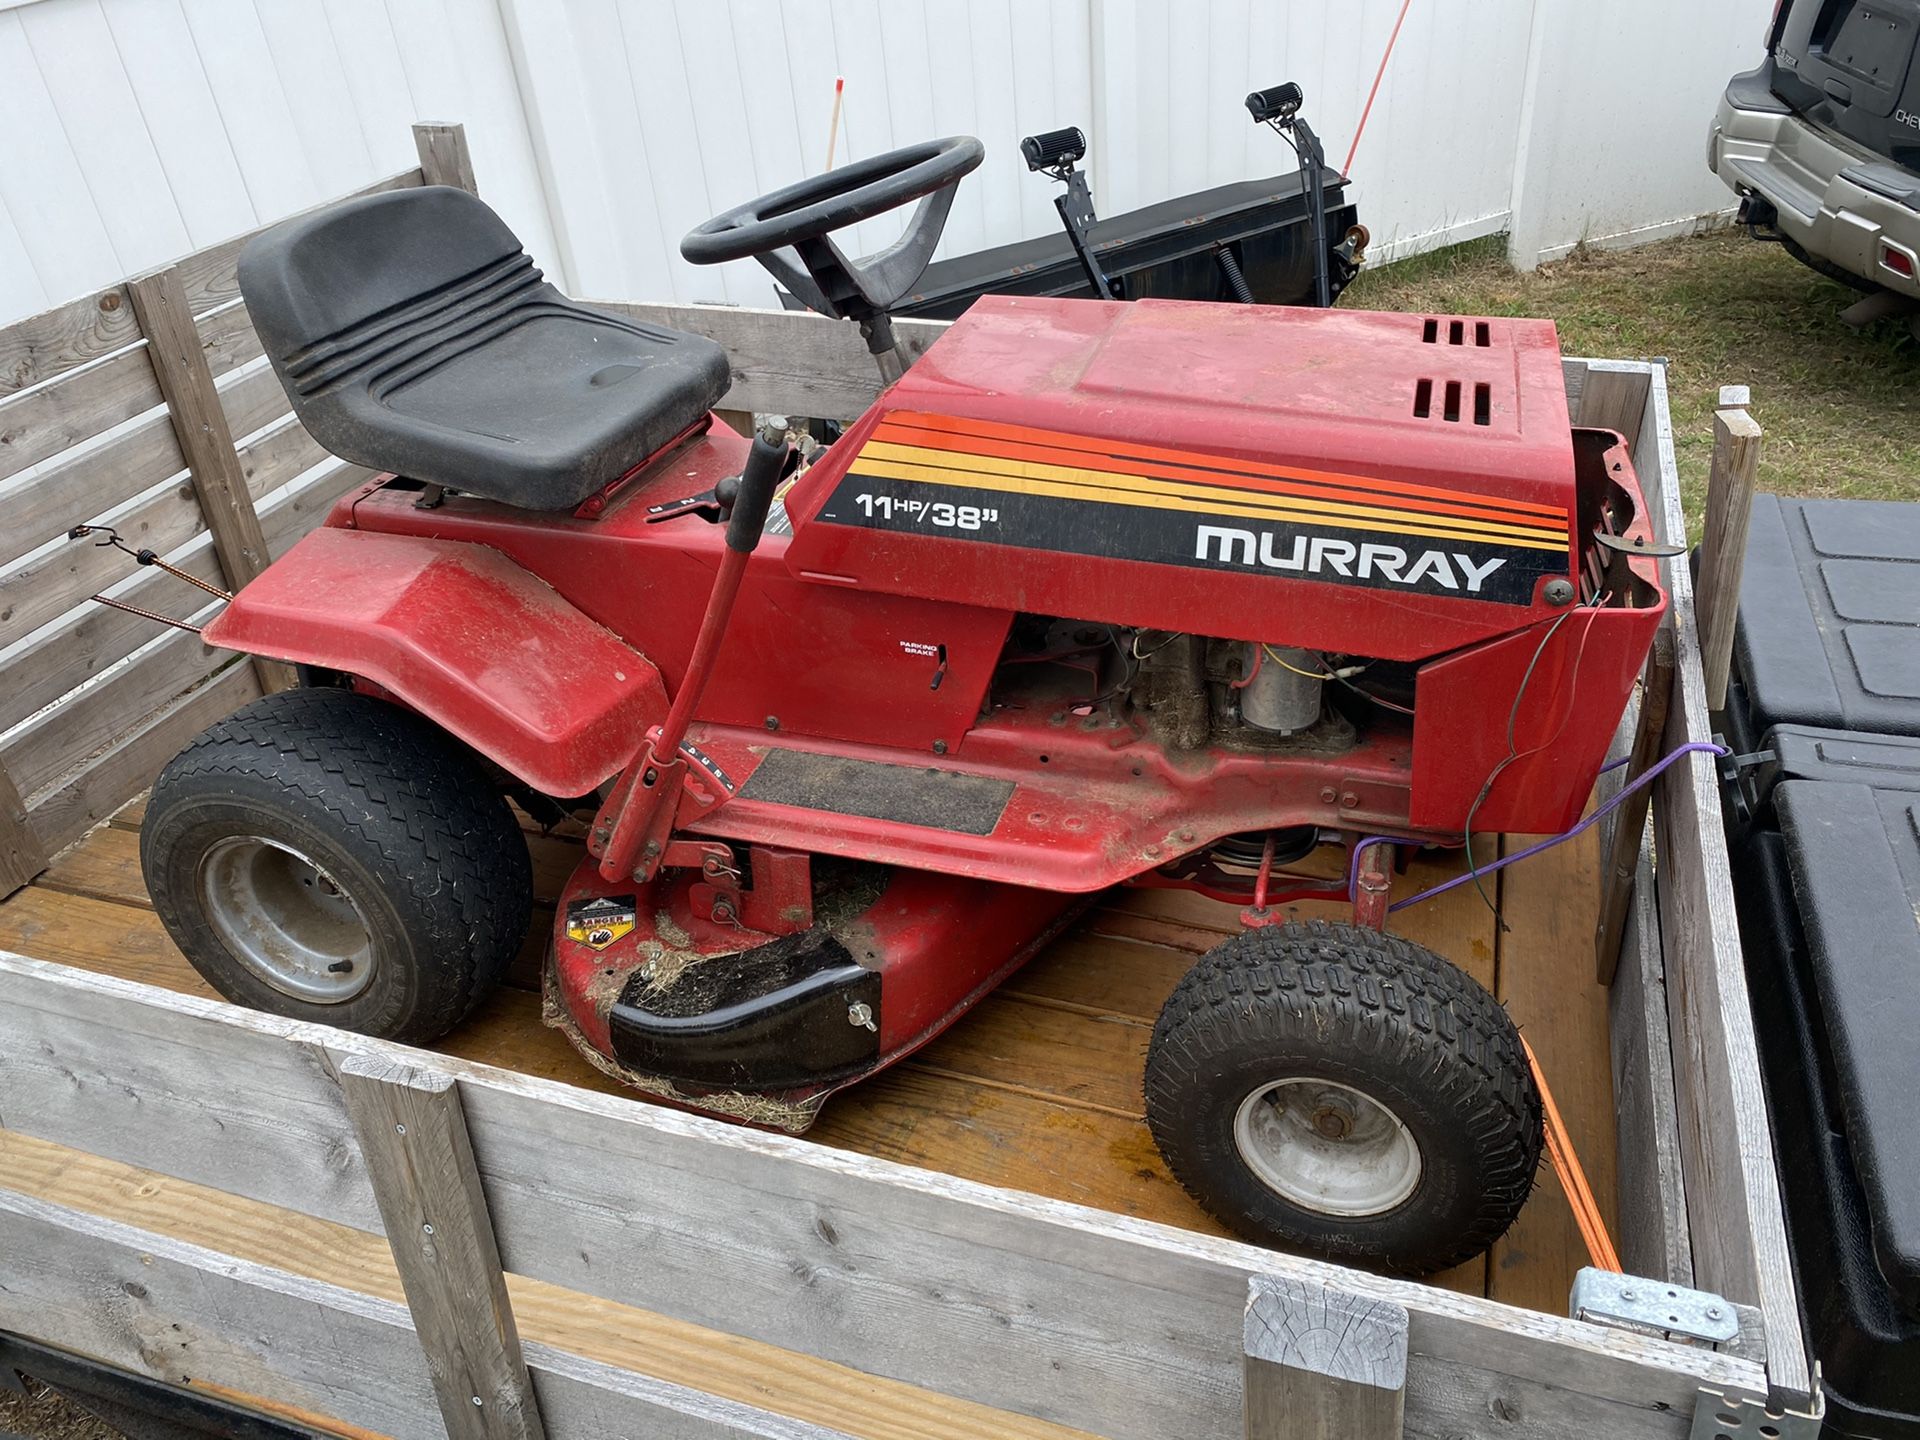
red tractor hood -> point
(1228, 470)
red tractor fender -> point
(459, 632)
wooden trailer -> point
(493, 1240)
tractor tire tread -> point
(409, 791)
(1384, 996)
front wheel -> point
(331, 857)
(1333, 1089)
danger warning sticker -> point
(599, 920)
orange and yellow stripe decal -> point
(1017, 459)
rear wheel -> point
(331, 857)
(1334, 1089)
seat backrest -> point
(376, 277)
(414, 335)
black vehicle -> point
(1822, 142)
(1288, 240)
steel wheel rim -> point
(286, 919)
(1327, 1147)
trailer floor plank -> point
(1564, 1017)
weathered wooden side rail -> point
(1073, 1317)
(1737, 1231)
(146, 406)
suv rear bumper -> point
(1835, 200)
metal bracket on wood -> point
(413, 1136)
(1730, 1415)
(1322, 1364)
(1652, 1307)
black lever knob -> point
(754, 497)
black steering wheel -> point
(795, 224)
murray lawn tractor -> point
(1095, 594)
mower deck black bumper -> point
(793, 1015)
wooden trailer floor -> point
(1039, 1088)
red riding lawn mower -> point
(1094, 594)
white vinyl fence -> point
(132, 131)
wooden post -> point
(1723, 541)
(413, 1137)
(1623, 851)
(22, 856)
(444, 157)
(1322, 1364)
(193, 404)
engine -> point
(1193, 692)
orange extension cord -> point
(1573, 1179)
(1378, 75)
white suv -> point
(1822, 142)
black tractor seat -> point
(413, 334)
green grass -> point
(1840, 407)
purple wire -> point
(1353, 860)
(1646, 777)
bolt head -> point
(1349, 800)
(1328, 795)
(1559, 592)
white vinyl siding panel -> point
(603, 130)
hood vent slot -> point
(1457, 333)
(1451, 397)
